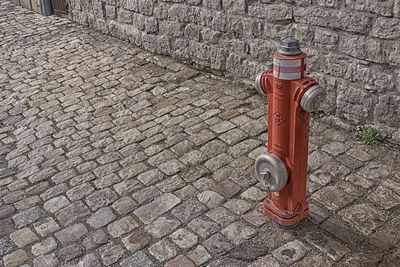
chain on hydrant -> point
(283, 170)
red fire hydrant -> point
(283, 170)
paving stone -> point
(188, 210)
(314, 260)
(386, 236)
(137, 240)
(157, 207)
(89, 260)
(162, 226)
(45, 246)
(333, 198)
(23, 237)
(171, 167)
(150, 177)
(46, 261)
(101, 218)
(28, 216)
(210, 198)
(266, 261)
(253, 194)
(184, 238)
(221, 216)
(17, 258)
(233, 136)
(335, 148)
(127, 187)
(111, 253)
(124, 205)
(79, 191)
(238, 232)
(350, 162)
(227, 188)
(72, 213)
(146, 194)
(199, 255)
(122, 226)
(385, 198)
(5, 246)
(218, 161)
(101, 198)
(333, 248)
(55, 204)
(317, 159)
(343, 232)
(6, 226)
(95, 239)
(255, 218)
(290, 252)
(217, 245)
(238, 206)
(71, 234)
(6, 211)
(137, 259)
(363, 217)
(46, 226)
(180, 261)
(163, 250)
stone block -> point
(343, 20)
(386, 28)
(384, 8)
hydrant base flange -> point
(286, 219)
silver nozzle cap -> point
(289, 47)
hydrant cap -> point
(289, 47)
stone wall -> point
(353, 45)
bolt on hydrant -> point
(282, 171)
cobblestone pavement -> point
(111, 156)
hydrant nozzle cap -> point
(289, 47)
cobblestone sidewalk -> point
(111, 156)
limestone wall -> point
(353, 45)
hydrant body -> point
(283, 170)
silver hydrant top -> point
(289, 47)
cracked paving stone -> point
(163, 250)
(137, 259)
(184, 238)
(188, 210)
(290, 252)
(122, 226)
(157, 207)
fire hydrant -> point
(282, 171)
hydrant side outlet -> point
(282, 171)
